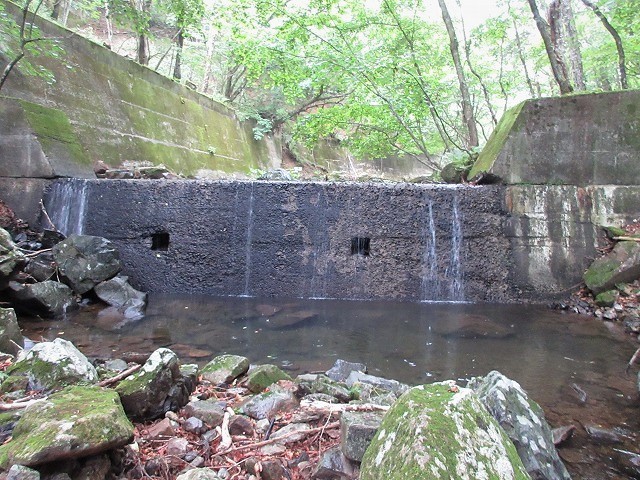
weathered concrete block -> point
(580, 139)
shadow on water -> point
(548, 353)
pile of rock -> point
(234, 420)
(50, 281)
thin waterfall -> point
(454, 270)
(66, 205)
(430, 284)
(247, 257)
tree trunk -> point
(55, 12)
(143, 49)
(177, 68)
(565, 41)
(208, 66)
(467, 108)
(622, 67)
(557, 66)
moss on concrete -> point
(496, 141)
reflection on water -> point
(546, 352)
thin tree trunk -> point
(177, 68)
(573, 46)
(557, 67)
(208, 66)
(143, 49)
(55, 12)
(622, 67)
(523, 60)
(467, 108)
(565, 41)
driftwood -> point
(226, 442)
(633, 360)
(280, 438)
(120, 376)
(325, 408)
(627, 239)
(5, 407)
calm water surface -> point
(547, 352)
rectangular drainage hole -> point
(360, 246)
(160, 241)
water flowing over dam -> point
(309, 240)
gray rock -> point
(47, 298)
(198, 474)
(437, 431)
(208, 411)
(342, 369)
(381, 383)
(86, 261)
(118, 293)
(241, 425)
(116, 365)
(158, 387)
(11, 259)
(264, 376)
(524, 422)
(41, 267)
(277, 174)
(324, 385)
(10, 335)
(602, 435)
(334, 465)
(73, 423)
(265, 405)
(51, 365)
(357, 429)
(177, 447)
(225, 369)
(19, 472)
(272, 470)
(291, 433)
(621, 265)
(194, 425)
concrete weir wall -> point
(324, 240)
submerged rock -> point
(48, 298)
(10, 335)
(439, 431)
(158, 387)
(85, 261)
(523, 421)
(52, 365)
(75, 422)
(621, 265)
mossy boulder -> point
(53, 365)
(439, 431)
(523, 421)
(225, 369)
(10, 257)
(75, 422)
(264, 375)
(48, 298)
(10, 335)
(85, 261)
(156, 388)
(621, 265)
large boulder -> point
(52, 365)
(440, 431)
(523, 421)
(621, 265)
(158, 387)
(85, 261)
(48, 298)
(75, 422)
(10, 335)
(10, 257)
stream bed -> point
(573, 366)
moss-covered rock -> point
(53, 365)
(10, 257)
(75, 422)
(225, 369)
(156, 388)
(606, 299)
(436, 431)
(621, 265)
(523, 421)
(10, 335)
(48, 298)
(261, 377)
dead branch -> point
(282, 437)
(120, 376)
(325, 408)
(5, 407)
(634, 357)
(627, 239)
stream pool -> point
(557, 357)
